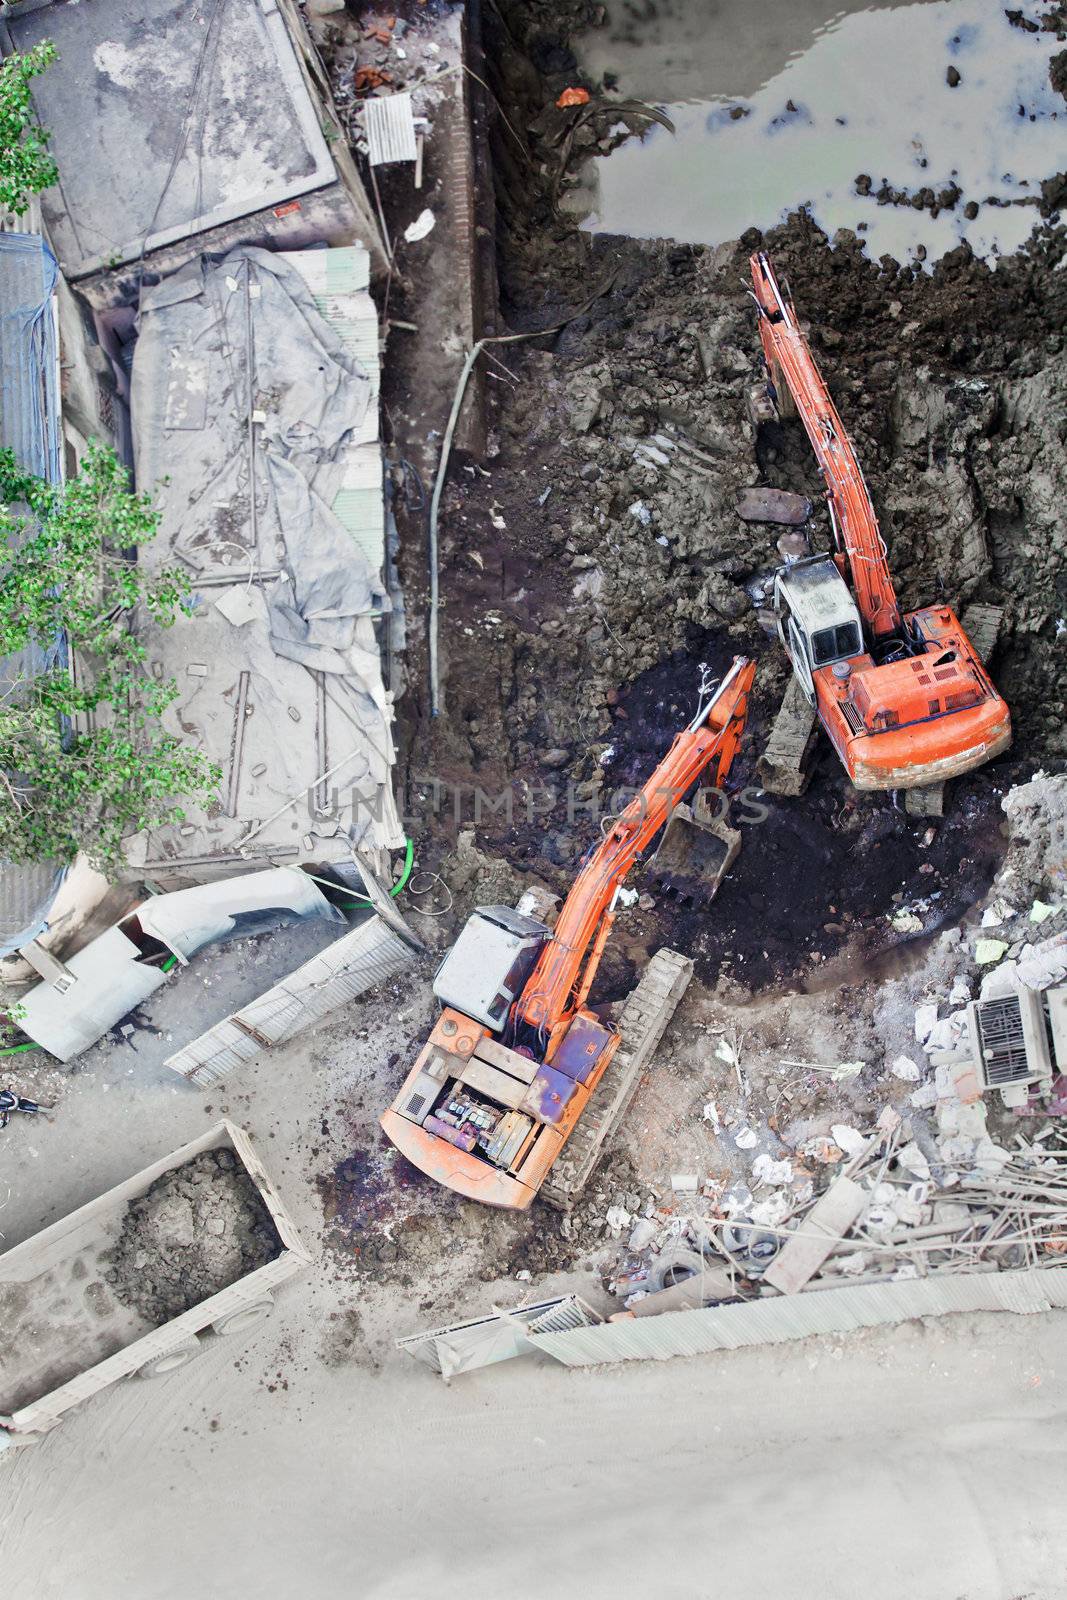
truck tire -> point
(674, 1266)
(170, 1360)
(246, 1317)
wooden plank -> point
(805, 1250)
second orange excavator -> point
(518, 1071)
(903, 696)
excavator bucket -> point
(696, 851)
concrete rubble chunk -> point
(773, 505)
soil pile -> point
(197, 1230)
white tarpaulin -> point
(239, 379)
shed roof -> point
(167, 119)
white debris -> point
(904, 921)
(685, 1182)
(904, 1068)
(711, 1114)
(852, 1264)
(641, 512)
(422, 225)
(643, 1234)
(996, 913)
(849, 1139)
(618, 1218)
(737, 1199)
(912, 1160)
(988, 951)
(773, 1211)
(725, 1051)
(925, 1019)
(766, 1170)
(948, 1033)
(960, 992)
(628, 897)
(924, 1098)
(1040, 911)
(746, 1139)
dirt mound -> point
(1036, 862)
(197, 1230)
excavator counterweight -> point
(904, 697)
(517, 1055)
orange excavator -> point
(904, 697)
(516, 1054)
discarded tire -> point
(673, 1266)
(244, 1319)
(177, 1356)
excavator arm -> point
(560, 981)
(856, 530)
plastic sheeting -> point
(238, 379)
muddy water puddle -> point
(785, 104)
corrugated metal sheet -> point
(774, 1321)
(29, 401)
(483, 1341)
(30, 426)
(343, 971)
(390, 128)
(187, 919)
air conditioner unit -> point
(1009, 1040)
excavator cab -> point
(818, 620)
(489, 964)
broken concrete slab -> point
(805, 1250)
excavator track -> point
(645, 1015)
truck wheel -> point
(171, 1359)
(244, 1319)
(674, 1266)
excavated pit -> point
(595, 558)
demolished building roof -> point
(264, 369)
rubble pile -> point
(953, 1202)
(198, 1229)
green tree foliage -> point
(83, 758)
(25, 165)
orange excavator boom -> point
(555, 989)
(859, 538)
